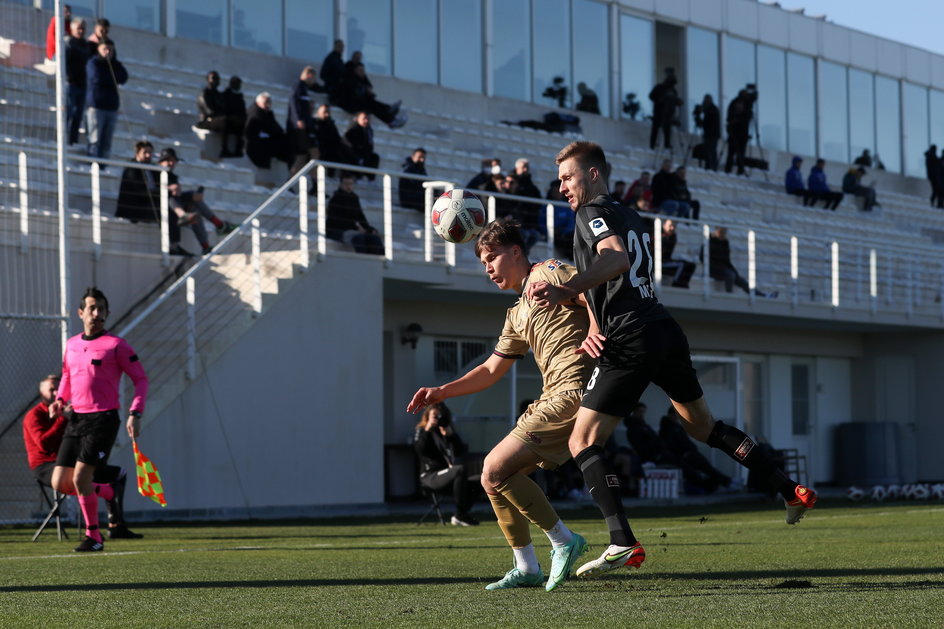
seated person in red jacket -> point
(42, 434)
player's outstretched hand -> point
(547, 295)
(592, 345)
(423, 398)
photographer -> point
(740, 115)
(557, 91)
(708, 119)
(439, 448)
(665, 104)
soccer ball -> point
(458, 216)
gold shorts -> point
(546, 425)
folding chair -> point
(434, 497)
(54, 504)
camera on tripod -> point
(699, 114)
(557, 91)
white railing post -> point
(165, 228)
(388, 217)
(191, 328)
(751, 264)
(657, 254)
(491, 209)
(549, 223)
(427, 223)
(24, 204)
(322, 210)
(304, 255)
(834, 273)
(706, 259)
(794, 271)
(256, 269)
(97, 211)
(873, 280)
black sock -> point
(605, 490)
(737, 445)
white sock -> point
(559, 534)
(525, 559)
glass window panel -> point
(258, 26)
(801, 105)
(143, 14)
(861, 112)
(368, 30)
(833, 112)
(206, 20)
(739, 67)
(591, 50)
(888, 123)
(703, 65)
(309, 29)
(511, 55)
(461, 55)
(915, 126)
(416, 40)
(937, 118)
(772, 98)
(80, 8)
(551, 54)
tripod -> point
(763, 155)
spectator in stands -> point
(483, 180)
(819, 189)
(189, 207)
(619, 190)
(679, 270)
(739, 117)
(332, 69)
(345, 220)
(564, 222)
(42, 436)
(66, 16)
(852, 184)
(332, 146)
(589, 102)
(720, 267)
(662, 185)
(300, 125)
(357, 94)
(78, 53)
(683, 196)
(235, 107)
(665, 104)
(667, 192)
(104, 74)
(864, 160)
(709, 119)
(265, 139)
(360, 135)
(212, 106)
(640, 189)
(679, 444)
(793, 181)
(412, 193)
(100, 32)
(139, 196)
(530, 215)
(934, 167)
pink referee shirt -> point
(91, 373)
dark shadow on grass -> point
(250, 584)
(816, 573)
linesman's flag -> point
(149, 479)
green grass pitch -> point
(716, 566)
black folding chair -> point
(434, 497)
(55, 504)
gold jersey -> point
(553, 334)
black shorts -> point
(43, 472)
(89, 438)
(657, 352)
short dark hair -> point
(142, 144)
(94, 293)
(588, 155)
(500, 233)
(103, 22)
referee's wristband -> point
(135, 414)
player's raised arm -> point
(612, 261)
(477, 379)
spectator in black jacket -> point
(139, 195)
(235, 107)
(300, 126)
(679, 270)
(483, 180)
(935, 172)
(710, 121)
(530, 215)
(345, 220)
(412, 193)
(104, 73)
(665, 104)
(211, 104)
(265, 138)
(78, 52)
(332, 68)
(332, 146)
(722, 269)
(357, 94)
(687, 206)
(439, 448)
(360, 135)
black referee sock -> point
(737, 445)
(605, 489)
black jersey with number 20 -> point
(624, 303)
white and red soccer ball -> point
(458, 216)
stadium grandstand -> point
(281, 364)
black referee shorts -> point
(657, 352)
(89, 438)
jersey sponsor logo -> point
(612, 480)
(744, 449)
(598, 226)
(553, 264)
(533, 437)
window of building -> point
(739, 67)
(368, 30)
(801, 398)
(258, 26)
(772, 98)
(801, 104)
(591, 54)
(914, 100)
(461, 51)
(833, 112)
(452, 356)
(511, 49)
(752, 379)
(702, 62)
(552, 53)
(861, 112)
(309, 29)
(888, 123)
(416, 40)
(936, 122)
(207, 21)
(143, 14)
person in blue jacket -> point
(104, 73)
(793, 181)
(819, 189)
